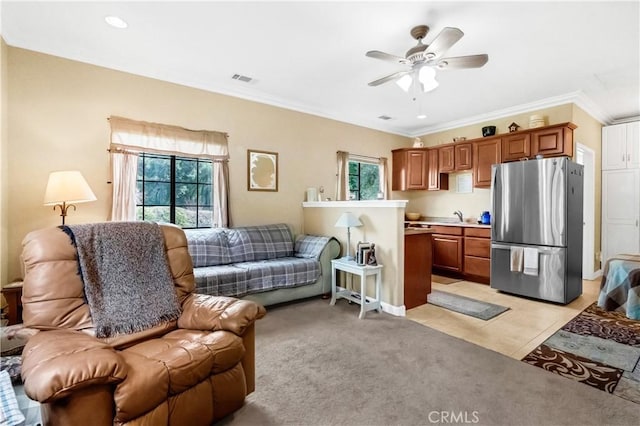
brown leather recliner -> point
(192, 371)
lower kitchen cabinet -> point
(477, 254)
(417, 268)
(447, 248)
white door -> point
(586, 157)
(614, 151)
(620, 212)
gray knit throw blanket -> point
(126, 277)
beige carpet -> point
(321, 365)
(444, 280)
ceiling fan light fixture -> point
(427, 78)
(405, 82)
(116, 22)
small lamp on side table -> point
(64, 188)
(347, 220)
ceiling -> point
(310, 56)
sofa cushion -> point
(208, 247)
(223, 280)
(172, 364)
(251, 243)
(280, 273)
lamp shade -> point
(67, 186)
(346, 220)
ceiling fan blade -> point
(471, 61)
(386, 57)
(390, 77)
(443, 41)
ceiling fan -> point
(424, 59)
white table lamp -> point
(64, 188)
(347, 220)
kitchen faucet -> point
(459, 214)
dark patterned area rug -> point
(597, 348)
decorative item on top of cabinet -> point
(513, 127)
(409, 169)
(486, 152)
(436, 180)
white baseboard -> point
(597, 274)
(398, 311)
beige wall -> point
(383, 226)
(443, 203)
(4, 163)
(57, 114)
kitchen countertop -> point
(419, 223)
(416, 231)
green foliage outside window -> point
(364, 180)
(174, 190)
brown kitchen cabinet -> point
(447, 248)
(455, 158)
(486, 152)
(516, 147)
(477, 254)
(435, 179)
(446, 159)
(409, 169)
(463, 156)
(552, 141)
(417, 267)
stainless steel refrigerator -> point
(536, 230)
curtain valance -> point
(142, 136)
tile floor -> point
(515, 332)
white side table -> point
(363, 271)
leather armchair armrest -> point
(202, 312)
(58, 362)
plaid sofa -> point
(263, 263)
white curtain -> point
(130, 136)
(124, 169)
(220, 188)
(342, 186)
(384, 182)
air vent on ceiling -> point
(242, 78)
(384, 117)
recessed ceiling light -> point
(116, 22)
(421, 116)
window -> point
(364, 180)
(175, 190)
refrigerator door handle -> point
(544, 250)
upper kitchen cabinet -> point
(455, 157)
(621, 146)
(486, 152)
(549, 141)
(409, 169)
(435, 180)
(553, 141)
(516, 146)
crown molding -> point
(578, 98)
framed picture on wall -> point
(262, 170)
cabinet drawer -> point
(477, 266)
(477, 232)
(447, 230)
(479, 247)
